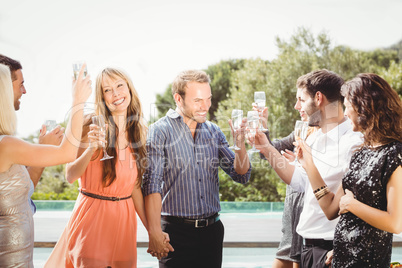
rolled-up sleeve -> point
(227, 158)
(153, 176)
(299, 179)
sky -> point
(155, 40)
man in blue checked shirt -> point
(181, 184)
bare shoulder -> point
(8, 146)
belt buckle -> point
(197, 223)
(115, 198)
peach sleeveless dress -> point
(101, 233)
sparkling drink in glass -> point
(237, 117)
(259, 100)
(77, 67)
(301, 129)
(100, 122)
(252, 123)
(50, 125)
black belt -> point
(197, 223)
(318, 242)
(108, 198)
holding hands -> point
(159, 245)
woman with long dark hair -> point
(369, 199)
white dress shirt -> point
(331, 152)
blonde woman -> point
(103, 226)
(16, 222)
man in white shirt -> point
(332, 146)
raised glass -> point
(237, 117)
(259, 100)
(100, 122)
(252, 123)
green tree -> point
(302, 53)
(393, 75)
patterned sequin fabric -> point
(16, 222)
(356, 243)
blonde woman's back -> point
(16, 222)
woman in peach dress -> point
(103, 226)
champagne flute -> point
(50, 125)
(100, 122)
(300, 131)
(259, 100)
(77, 67)
(252, 122)
(237, 117)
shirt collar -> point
(173, 114)
(337, 132)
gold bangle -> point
(320, 194)
(319, 188)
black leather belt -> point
(107, 198)
(197, 223)
(318, 243)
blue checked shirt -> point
(184, 170)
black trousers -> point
(193, 247)
(314, 256)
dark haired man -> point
(332, 146)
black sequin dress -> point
(356, 243)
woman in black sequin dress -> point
(369, 199)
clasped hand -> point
(159, 245)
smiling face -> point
(298, 105)
(116, 94)
(18, 88)
(196, 102)
(351, 113)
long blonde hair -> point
(8, 118)
(135, 127)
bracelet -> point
(323, 192)
(320, 188)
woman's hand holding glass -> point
(259, 103)
(263, 116)
(99, 121)
(97, 137)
